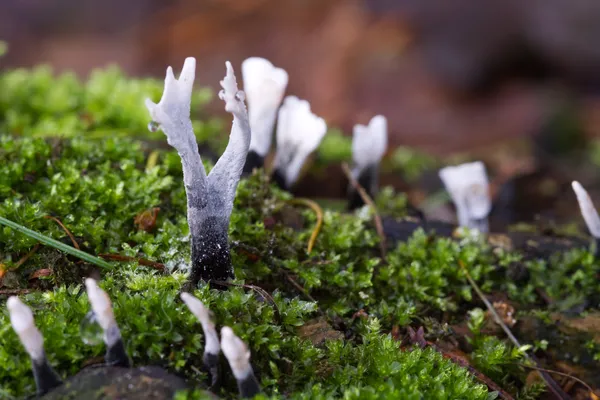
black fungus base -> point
(249, 387)
(45, 377)
(368, 180)
(116, 355)
(212, 365)
(211, 260)
(253, 161)
(279, 178)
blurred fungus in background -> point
(449, 75)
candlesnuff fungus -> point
(116, 379)
(238, 356)
(299, 132)
(369, 143)
(212, 348)
(588, 211)
(21, 319)
(468, 187)
(210, 198)
(264, 85)
(103, 312)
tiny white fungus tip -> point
(21, 319)
(236, 352)
(233, 98)
(588, 211)
(102, 308)
(212, 345)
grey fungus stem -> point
(209, 197)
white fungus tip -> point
(264, 85)
(173, 109)
(229, 82)
(170, 76)
(196, 306)
(468, 187)
(256, 70)
(298, 125)
(588, 211)
(236, 352)
(150, 105)
(369, 143)
(233, 98)
(188, 72)
(101, 304)
(299, 133)
(21, 319)
(578, 189)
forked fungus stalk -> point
(209, 198)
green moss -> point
(569, 279)
(96, 184)
(335, 147)
(97, 187)
(38, 103)
(411, 163)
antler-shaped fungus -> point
(210, 198)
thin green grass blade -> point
(56, 244)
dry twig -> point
(551, 383)
(68, 232)
(141, 261)
(27, 256)
(262, 292)
(365, 197)
(418, 338)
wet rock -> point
(120, 383)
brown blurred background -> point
(449, 75)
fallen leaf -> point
(146, 220)
(41, 273)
